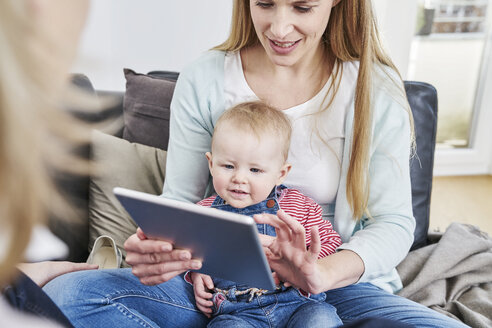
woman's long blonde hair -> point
(351, 35)
(36, 136)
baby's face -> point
(245, 169)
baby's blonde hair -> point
(259, 118)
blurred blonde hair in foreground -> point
(37, 137)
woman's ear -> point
(284, 171)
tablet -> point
(227, 243)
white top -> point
(314, 158)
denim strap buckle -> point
(251, 291)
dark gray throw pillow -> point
(146, 109)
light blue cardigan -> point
(381, 241)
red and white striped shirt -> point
(308, 213)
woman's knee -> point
(74, 287)
(368, 301)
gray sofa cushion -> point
(422, 98)
(146, 109)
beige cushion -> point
(120, 163)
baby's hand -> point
(202, 283)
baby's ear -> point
(284, 171)
(208, 155)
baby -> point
(248, 164)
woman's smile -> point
(283, 48)
(291, 31)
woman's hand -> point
(287, 254)
(156, 261)
(43, 272)
(202, 285)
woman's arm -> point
(197, 102)
(190, 133)
(341, 269)
(43, 272)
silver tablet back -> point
(227, 243)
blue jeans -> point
(115, 298)
(287, 307)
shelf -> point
(462, 2)
(452, 36)
(458, 19)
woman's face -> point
(290, 30)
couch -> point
(144, 112)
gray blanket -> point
(453, 276)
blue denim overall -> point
(237, 305)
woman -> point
(320, 62)
(38, 44)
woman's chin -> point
(283, 60)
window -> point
(448, 52)
(459, 16)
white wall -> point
(157, 35)
(397, 21)
(148, 35)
